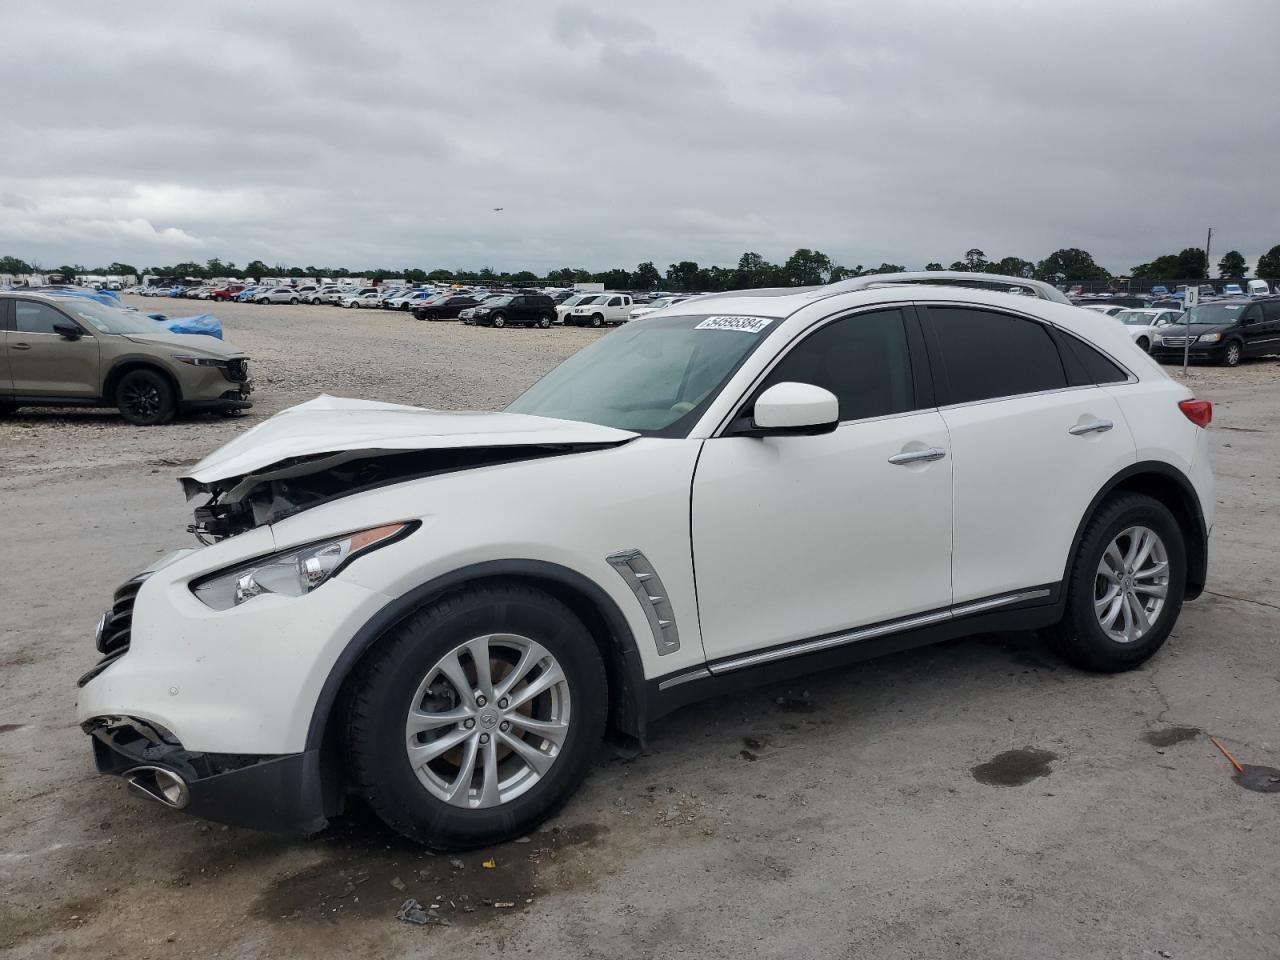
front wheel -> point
(477, 717)
(499, 320)
(145, 398)
(544, 320)
(1231, 356)
(1125, 587)
(597, 320)
(1145, 344)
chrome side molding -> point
(634, 568)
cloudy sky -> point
(376, 133)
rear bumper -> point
(280, 794)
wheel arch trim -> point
(123, 365)
(1197, 546)
(626, 670)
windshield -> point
(1215, 313)
(106, 319)
(654, 378)
(497, 301)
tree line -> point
(804, 267)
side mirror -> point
(68, 331)
(792, 409)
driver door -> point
(801, 537)
(43, 363)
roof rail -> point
(950, 278)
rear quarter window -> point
(987, 355)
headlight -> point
(1209, 338)
(296, 572)
(200, 361)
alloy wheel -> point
(1131, 584)
(143, 399)
(488, 721)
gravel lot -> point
(977, 799)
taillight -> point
(1199, 412)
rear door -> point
(43, 363)
(1033, 439)
(1266, 338)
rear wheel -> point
(1232, 354)
(145, 398)
(477, 717)
(294, 301)
(1125, 588)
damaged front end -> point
(331, 447)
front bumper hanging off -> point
(281, 794)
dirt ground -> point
(977, 799)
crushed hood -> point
(332, 447)
(328, 425)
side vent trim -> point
(634, 568)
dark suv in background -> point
(445, 307)
(1225, 332)
(525, 309)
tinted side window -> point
(1271, 311)
(1086, 365)
(36, 317)
(1252, 315)
(987, 355)
(862, 359)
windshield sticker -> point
(740, 324)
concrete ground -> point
(978, 799)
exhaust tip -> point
(158, 784)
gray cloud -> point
(386, 133)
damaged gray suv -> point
(61, 351)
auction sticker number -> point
(740, 324)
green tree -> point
(975, 261)
(683, 275)
(1190, 264)
(844, 273)
(1231, 265)
(753, 272)
(524, 277)
(412, 274)
(807, 268)
(884, 268)
(1069, 263)
(14, 265)
(440, 276)
(1268, 265)
(1014, 267)
(934, 266)
(257, 269)
(615, 279)
(70, 272)
(646, 276)
(121, 269)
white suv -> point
(858, 468)
(277, 295)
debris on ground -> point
(456, 863)
(412, 911)
(489, 864)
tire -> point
(294, 301)
(1232, 354)
(1145, 344)
(145, 398)
(7, 409)
(350, 304)
(391, 683)
(498, 320)
(1081, 637)
(544, 321)
(597, 320)
(433, 315)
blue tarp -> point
(201, 323)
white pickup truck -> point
(601, 309)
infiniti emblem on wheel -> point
(488, 719)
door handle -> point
(917, 456)
(1091, 426)
(20, 346)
